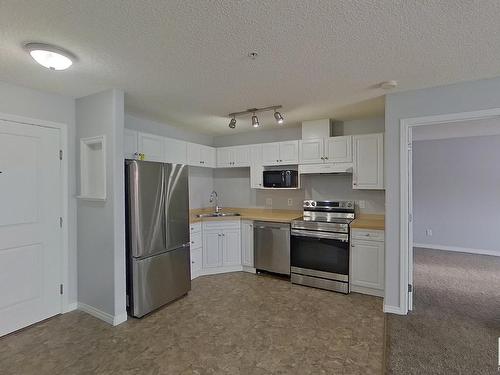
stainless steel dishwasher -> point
(272, 247)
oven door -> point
(325, 252)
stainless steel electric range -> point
(320, 245)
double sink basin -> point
(218, 214)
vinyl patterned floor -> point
(234, 323)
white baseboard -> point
(365, 290)
(249, 269)
(495, 253)
(217, 270)
(70, 307)
(393, 310)
(104, 316)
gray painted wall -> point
(101, 239)
(148, 126)
(26, 102)
(456, 192)
(254, 136)
(201, 184)
(233, 186)
(362, 126)
(460, 97)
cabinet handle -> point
(326, 157)
(352, 245)
(192, 262)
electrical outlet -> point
(361, 204)
(290, 201)
(428, 232)
(269, 201)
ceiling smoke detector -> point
(253, 55)
(388, 85)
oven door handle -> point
(320, 235)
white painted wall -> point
(254, 136)
(21, 101)
(148, 126)
(233, 186)
(460, 97)
(201, 184)
(456, 192)
(362, 126)
(101, 225)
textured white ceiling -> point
(185, 62)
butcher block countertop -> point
(369, 221)
(261, 214)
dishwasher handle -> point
(268, 225)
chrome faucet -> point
(214, 196)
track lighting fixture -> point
(255, 120)
(278, 117)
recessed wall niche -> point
(93, 168)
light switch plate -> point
(290, 201)
(361, 204)
(269, 201)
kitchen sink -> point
(218, 214)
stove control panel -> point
(329, 205)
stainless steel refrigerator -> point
(157, 216)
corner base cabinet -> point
(367, 261)
(221, 246)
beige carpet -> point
(455, 325)
(231, 324)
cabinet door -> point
(338, 149)
(256, 168)
(212, 249)
(289, 152)
(196, 262)
(175, 151)
(152, 146)
(368, 161)
(194, 155)
(247, 243)
(130, 144)
(270, 154)
(231, 247)
(241, 156)
(367, 262)
(311, 151)
(225, 157)
(208, 156)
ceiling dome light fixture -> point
(388, 85)
(51, 57)
(255, 120)
(278, 117)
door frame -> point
(66, 306)
(406, 208)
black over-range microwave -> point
(280, 179)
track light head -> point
(278, 117)
(255, 121)
(232, 123)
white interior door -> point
(30, 233)
(410, 219)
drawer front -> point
(368, 234)
(221, 224)
(196, 260)
(196, 241)
(195, 227)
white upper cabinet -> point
(256, 168)
(152, 147)
(338, 149)
(280, 153)
(311, 151)
(130, 144)
(200, 155)
(326, 150)
(175, 151)
(289, 152)
(238, 156)
(368, 161)
(270, 153)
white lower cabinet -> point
(221, 246)
(367, 262)
(247, 245)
